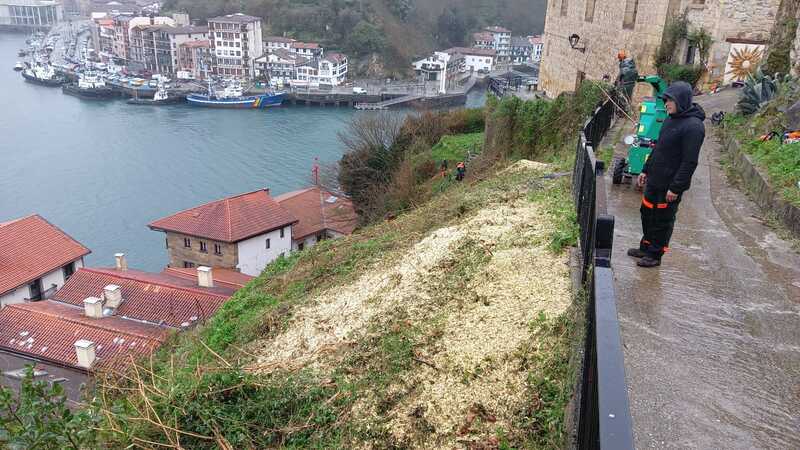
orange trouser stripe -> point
(650, 205)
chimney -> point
(205, 277)
(85, 351)
(93, 307)
(113, 295)
(122, 263)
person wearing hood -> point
(668, 172)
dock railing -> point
(604, 414)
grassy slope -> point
(780, 162)
(456, 147)
(200, 383)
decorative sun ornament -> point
(744, 61)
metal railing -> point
(604, 414)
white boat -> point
(19, 66)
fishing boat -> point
(89, 86)
(22, 52)
(233, 97)
(161, 97)
(43, 75)
(19, 66)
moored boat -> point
(161, 97)
(233, 97)
(19, 66)
(43, 75)
(89, 86)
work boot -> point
(649, 261)
(636, 253)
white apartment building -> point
(236, 43)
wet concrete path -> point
(712, 338)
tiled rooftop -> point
(32, 247)
(231, 219)
(48, 331)
(151, 297)
(318, 210)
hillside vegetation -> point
(451, 323)
(383, 36)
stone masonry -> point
(179, 253)
(604, 35)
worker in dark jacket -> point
(668, 172)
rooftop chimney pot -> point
(85, 351)
(122, 263)
(113, 296)
(93, 307)
(205, 277)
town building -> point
(30, 14)
(307, 49)
(538, 47)
(521, 50)
(475, 59)
(280, 66)
(445, 67)
(36, 259)
(637, 27)
(150, 49)
(332, 69)
(121, 46)
(236, 42)
(102, 31)
(102, 317)
(321, 215)
(181, 35)
(194, 58)
(244, 232)
(483, 39)
(501, 42)
(273, 43)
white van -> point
(359, 90)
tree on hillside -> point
(451, 28)
(366, 38)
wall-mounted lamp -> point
(574, 40)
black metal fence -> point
(604, 416)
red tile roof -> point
(150, 297)
(337, 58)
(498, 30)
(231, 219)
(471, 51)
(306, 45)
(318, 210)
(32, 247)
(280, 39)
(203, 43)
(483, 36)
(48, 330)
(222, 277)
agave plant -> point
(758, 90)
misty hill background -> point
(383, 36)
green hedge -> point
(682, 72)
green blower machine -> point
(651, 118)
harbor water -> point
(103, 170)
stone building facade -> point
(191, 251)
(637, 26)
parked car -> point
(359, 90)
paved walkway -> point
(712, 338)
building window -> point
(282, 232)
(590, 4)
(564, 8)
(268, 243)
(631, 9)
(203, 247)
(188, 265)
(166, 242)
(320, 237)
(217, 249)
(69, 269)
(187, 242)
(301, 246)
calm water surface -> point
(103, 170)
